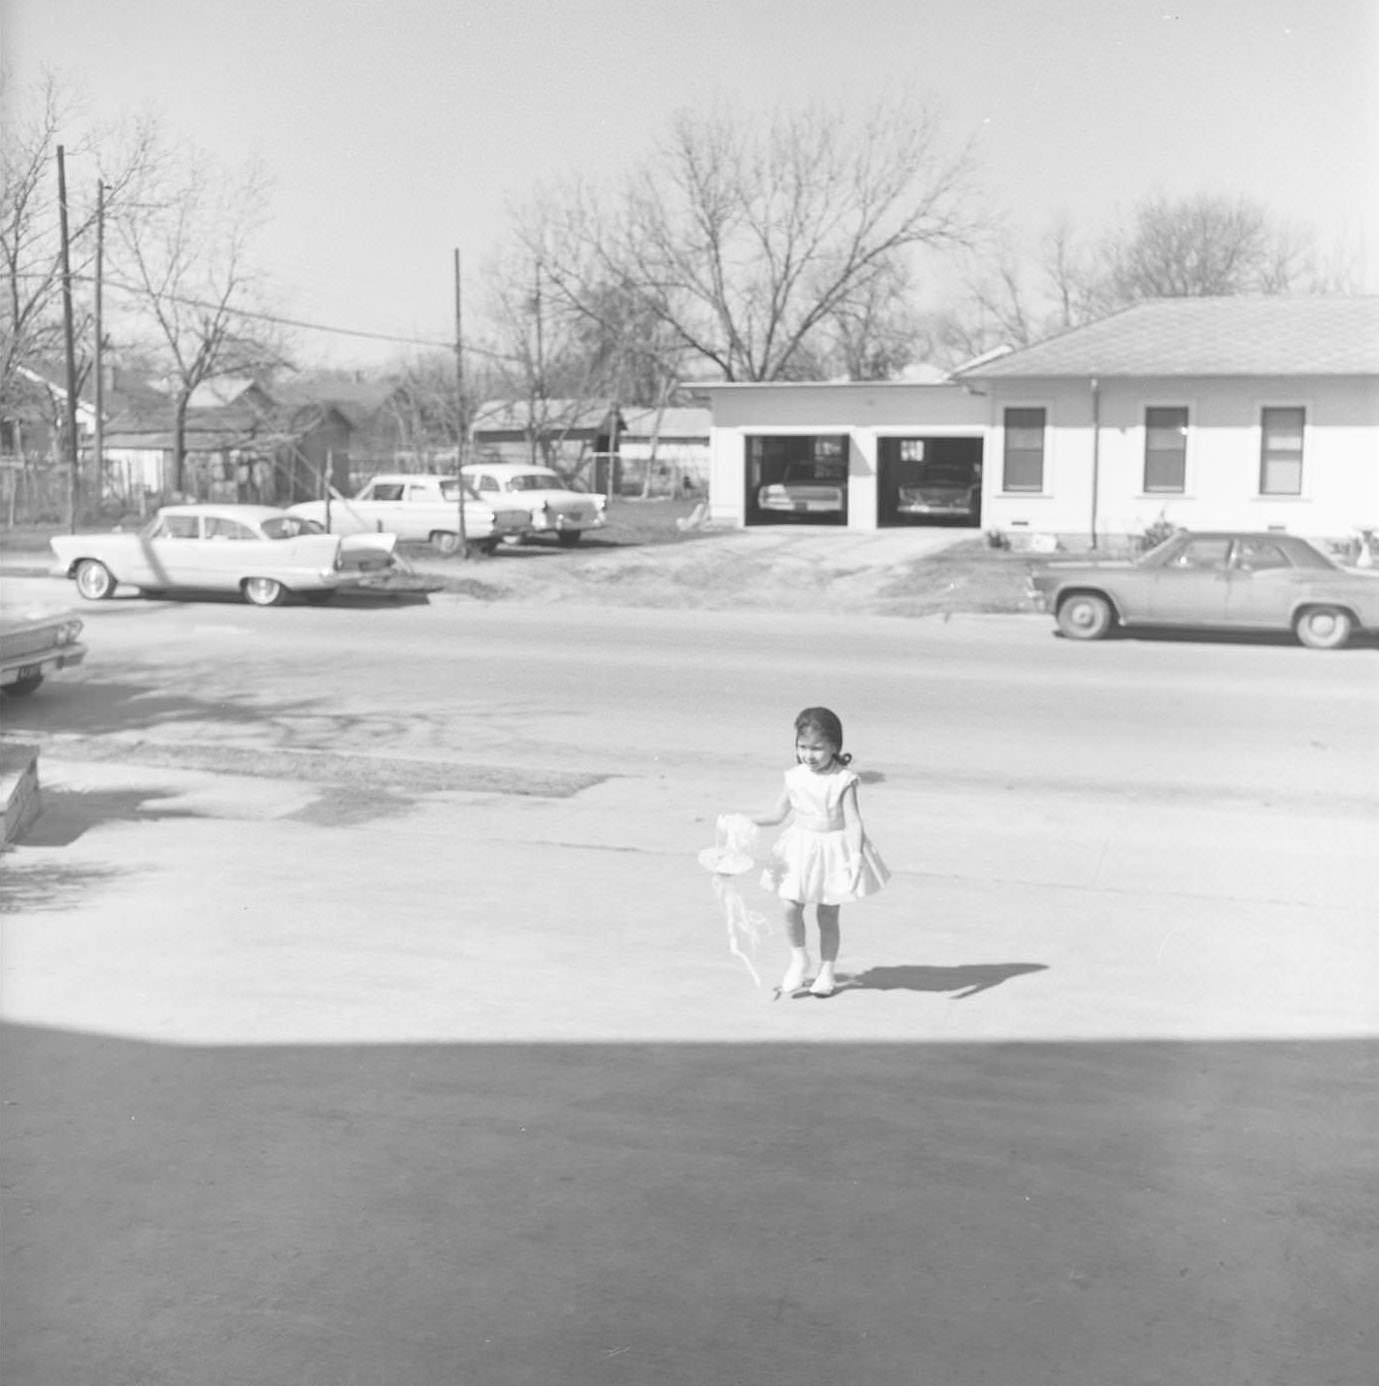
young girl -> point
(824, 857)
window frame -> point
(1262, 452)
(1042, 489)
(1185, 408)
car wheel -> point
(569, 537)
(445, 541)
(261, 591)
(21, 688)
(1085, 616)
(95, 581)
(1323, 627)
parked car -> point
(418, 507)
(945, 490)
(551, 504)
(263, 553)
(34, 645)
(1214, 580)
(808, 488)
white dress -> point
(810, 861)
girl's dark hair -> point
(824, 721)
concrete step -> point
(19, 790)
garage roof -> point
(1208, 336)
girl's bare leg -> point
(825, 984)
(799, 959)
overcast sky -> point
(398, 130)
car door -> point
(1263, 585)
(1192, 587)
(231, 551)
(168, 553)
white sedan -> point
(552, 503)
(262, 553)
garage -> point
(929, 481)
(845, 455)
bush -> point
(1155, 534)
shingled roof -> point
(1208, 336)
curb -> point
(19, 788)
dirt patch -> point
(728, 570)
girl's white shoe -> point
(825, 984)
(795, 973)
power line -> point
(279, 320)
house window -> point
(1024, 450)
(1165, 449)
(1280, 451)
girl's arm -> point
(853, 831)
(777, 813)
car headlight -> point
(68, 631)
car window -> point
(488, 483)
(221, 527)
(535, 481)
(450, 489)
(290, 527)
(1256, 555)
(1201, 554)
(178, 527)
(383, 491)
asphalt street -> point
(369, 1018)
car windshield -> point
(946, 476)
(538, 481)
(290, 527)
(1151, 558)
(815, 471)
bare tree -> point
(423, 406)
(184, 254)
(41, 118)
(1201, 246)
(874, 332)
(739, 247)
(548, 345)
(1204, 245)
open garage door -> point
(796, 479)
(929, 481)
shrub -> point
(1161, 529)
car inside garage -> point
(929, 481)
(796, 479)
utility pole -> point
(100, 344)
(461, 414)
(539, 390)
(73, 449)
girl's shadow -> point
(963, 981)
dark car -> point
(948, 490)
(1219, 580)
(34, 645)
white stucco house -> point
(1247, 412)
